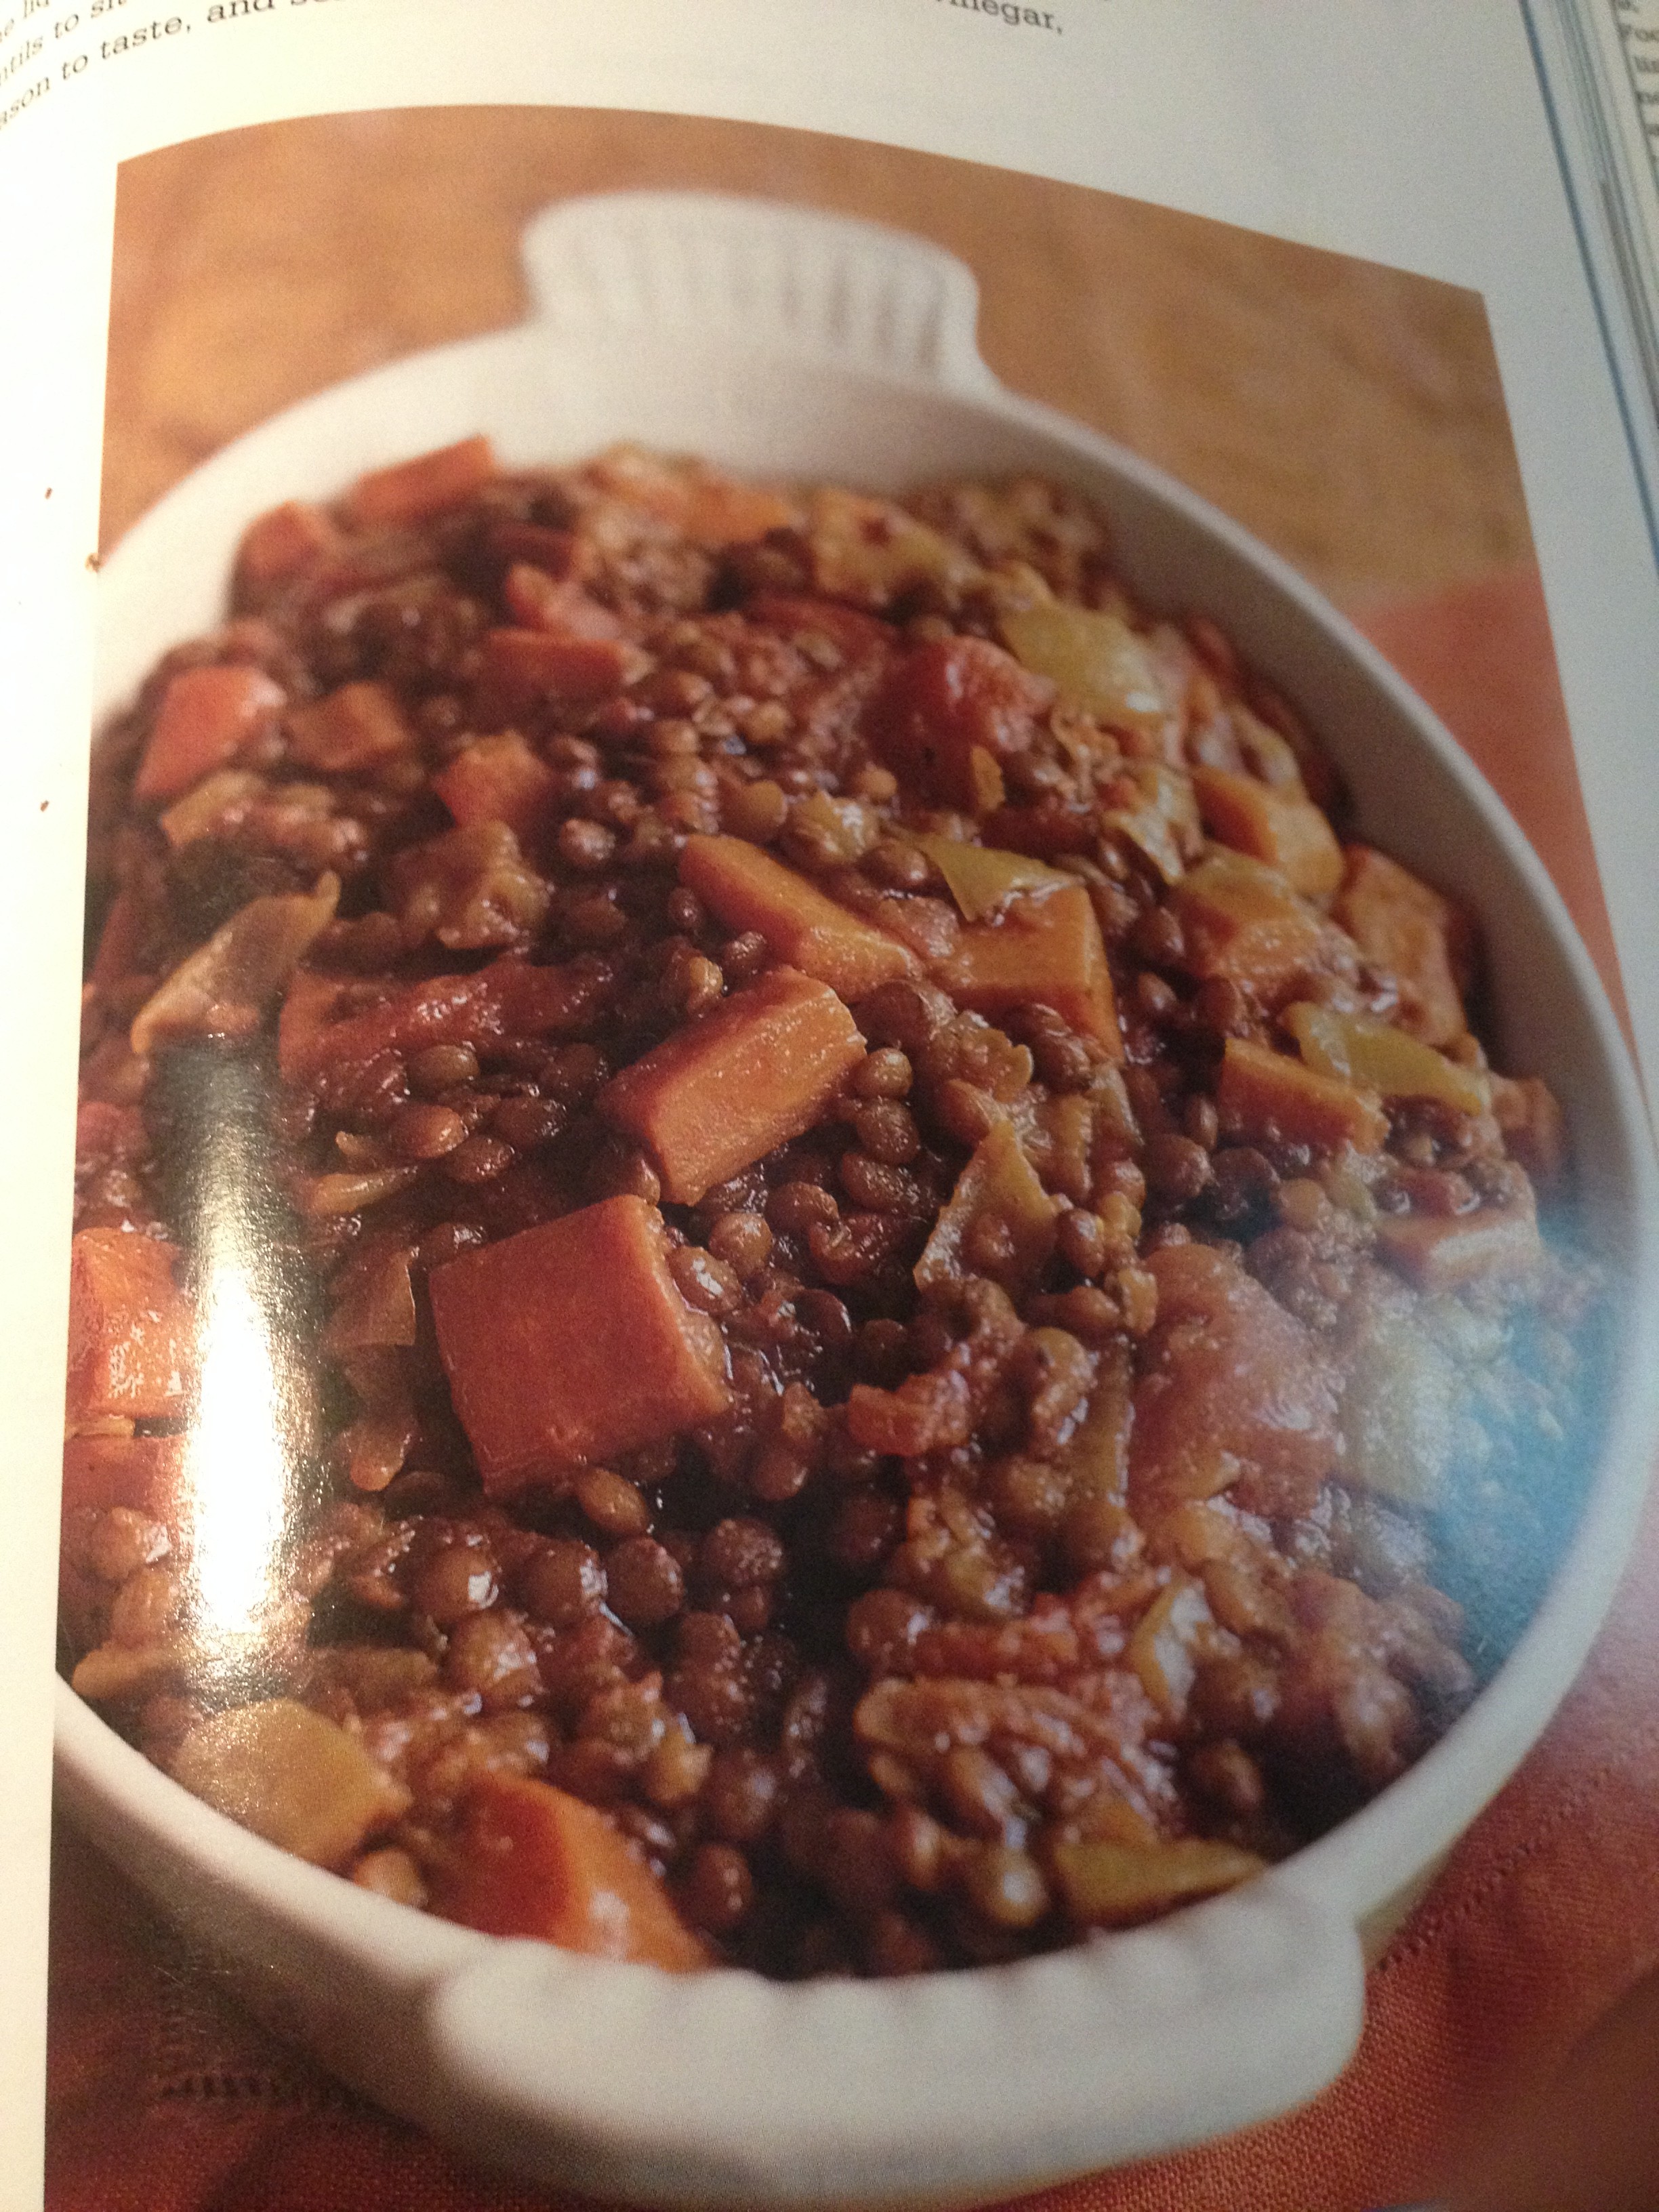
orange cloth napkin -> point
(163, 2097)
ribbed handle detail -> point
(789, 280)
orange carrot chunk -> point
(533, 1860)
(1243, 922)
(285, 543)
(206, 718)
(1413, 934)
(144, 1473)
(499, 779)
(570, 1342)
(746, 889)
(1044, 950)
(1266, 1095)
(1280, 827)
(727, 1089)
(131, 1328)
(522, 667)
(354, 728)
(410, 490)
(1446, 1252)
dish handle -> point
(791, 280)
(722, 2088)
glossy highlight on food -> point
(782, 1256)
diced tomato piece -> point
(1044, 949)
(523, 666)
(144, 1473)
(561, 609)
(947, 701)
(327, 1023)
(410, 490)
(1281, 827)
(571, 1342)
(859, 636)
(352, 728)
(285, 543)
(206, 718)
(726, 1089)
(131, 1328)
(746, 889)
(1267, 1097)
(533, 1860)
(499, 779)
(1236, 1393)
(1412, 933)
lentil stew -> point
(778, 1259)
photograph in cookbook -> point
(808, 1236)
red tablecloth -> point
(163, 2097)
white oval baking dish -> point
(776, 340)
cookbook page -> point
(754, 818)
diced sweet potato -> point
(533, 1860)
(526, 667)
(557, 606)
(326, 1022)
(499, 779)
(998, 1192)
(1235, 1394)
(1267, 1097)
(291, 1777)
(144, 1473)
(410, 490)
(728, 1089)
(1412, 933)
(354, 728)
(1043, 950)
(1243, 922)
(206, 718)
(746, 889)
(131, 1328)
(1447, 1252)
(1281, 827)
(285, 542)
(943, 702)
(570, 1342)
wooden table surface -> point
(1349, 414)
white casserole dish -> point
(774, 340)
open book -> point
(847, 815)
